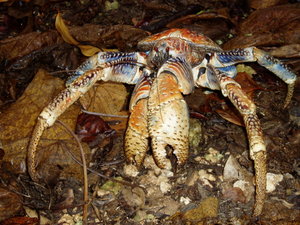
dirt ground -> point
(215, 186)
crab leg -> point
(251, 54)
(119, 67)
(168, 117)
(246, 107)
(136, 137)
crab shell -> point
(195, 40)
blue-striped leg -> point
(118, 67)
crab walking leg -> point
(253, 54)
(246, 107)
(119, 67)
(136, 137)
(50, 113)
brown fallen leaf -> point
(105, 98)
(21, 221)
(17, 123)
(260, 4)
(235, 194)
(287, 51)
(231, 115)
(16, 47)
(11, 203)
(271, 26)
(86, 50)
(108, 98)
(92, 129)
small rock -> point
(272, 181)
(233, 171)
(130, 170)
(206, 177)
(185, 200)
(213, 155)
(246, 187)
(235, 194)
(192, 178)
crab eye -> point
(167, 49)
(155, 49)
(201, 71)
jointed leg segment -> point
(252, 54)
(246, 107)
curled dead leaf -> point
(271, 26)
(18, 120)
(86, 50)
(260, 4)
(16, 47)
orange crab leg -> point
(136, 137)
(246, 107)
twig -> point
(103, 176)
(104, 114)
(85, 179)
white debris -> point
(206, 178)
(272, 181)
(233, 171)
(130, 170)
(185, 200)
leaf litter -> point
(160, 198)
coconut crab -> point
(171, 64)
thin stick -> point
(103, 176)
(85, 179)
(104, 114)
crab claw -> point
(168, 120)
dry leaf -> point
(16, 47)
(207, 208)
(18, 120)
(287, 51)
(273, 26)
(235, 194)
(106, 98)
(260, 4)
(231, 115)
(86, 50)
(11, 203)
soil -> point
(198, 192)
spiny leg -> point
(252, 54)
(120, 67)
(246, 107)
(136, 137)
(50, 113)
